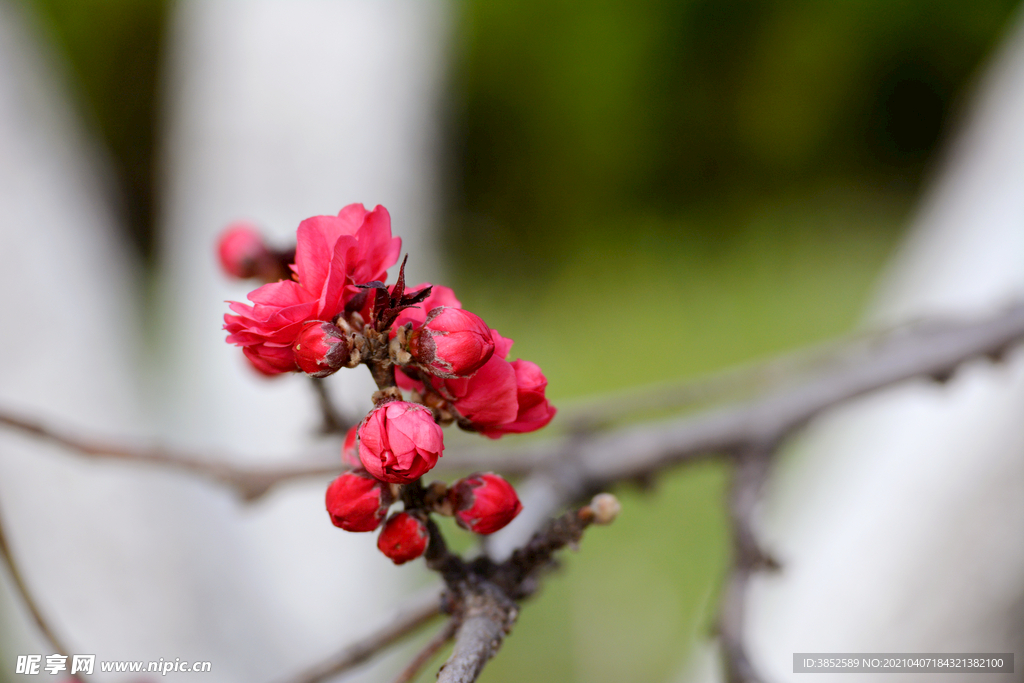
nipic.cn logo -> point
(86, 664)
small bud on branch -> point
(403, 538)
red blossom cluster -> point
(333, 254)
(335, 311)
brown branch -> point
(26, 596)
(932, 351)
(484, 598)
(486, 615)
(414, 615)
(249, 483)
(751, 432)
(518, 574)
(749, 475)
(599, 413)
(570, 468)
(424, 656)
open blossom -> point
(484, 503)
(533, 410)
(399, 442)
(333, 254)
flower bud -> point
(358, 502)
(399, 442)
(242, 251)
(403, 538)
(321, 349)
(605, 507)
(451, 343)
(484, 503)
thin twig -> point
(424, 656)
(417, 613)
(517, 575)
(26, 596)
(601, 412)
(749, 475)
(332, 420)
(249, 483)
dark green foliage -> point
(571, 114)
(112, 49)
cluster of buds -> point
(335, 311)
(357, 501)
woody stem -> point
(383, 373)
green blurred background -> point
(702, 182)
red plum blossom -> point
(484, 503)
(403, 538)
(333, 254)
(357, 502)
(399, 442)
